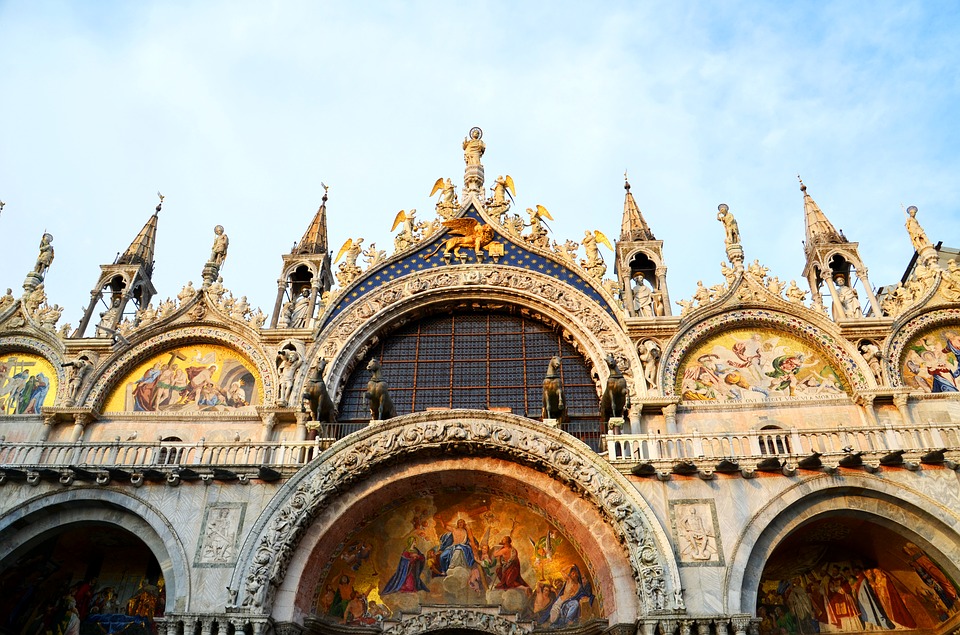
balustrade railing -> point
(162, 454)
(782, 443)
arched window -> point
(774, 440)
(479, 361)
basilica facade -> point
(486, 430)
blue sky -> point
(237, 111)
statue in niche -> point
(108, 318)
(79, 369)
(300, 310)
(847, 302)
(649, 354)
(288, 363)
(642, 297)
(871, 353)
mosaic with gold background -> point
(757, 365)
(189, 378)
(27, 383)
(932, 361)
(458, 548)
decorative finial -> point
(160, 204)
(626, 181)
(325, 188)
(803, 188)
(2, 205)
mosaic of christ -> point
(458, 548)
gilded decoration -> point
(756, 365)
(482, 433)
(188, 338)
(199, 377)
(27, 383)
(459, 548)
(931, 362)
(907, 344)
(791, 334)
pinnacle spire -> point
(141, 250)
(819, 229)
(633, 226)
(314, 240)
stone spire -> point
(314, 240)
(141, 250)
(306, 275)
(641, 271)
(126, 285)
(832, 265)
(633, 226)
(820, 230)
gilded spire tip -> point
(160, 204)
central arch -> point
(402, 453)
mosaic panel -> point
(931, 362)
(199, 377)
(27, 383)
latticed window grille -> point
(476, 361)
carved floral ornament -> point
(119, 366)
(837, 352)
(644, 543)
(458, 618)
(595, 330)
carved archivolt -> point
(117, 367)
(835, 349)
(594, 331)
(275, 538)
(895, 349)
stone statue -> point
(288, 363)
(373, 256)
(349, 270)
(917, 236)
(186, 294)
(871, 353)
(79, 369)
(593, 262)
(615, 401)
(642, 297)
(300, 311)
(218, 252)
(217, 290)
(45, 259)
(473, 147)
(847, 302)
(774, 285)
(378, 394)
(146, 315)
(702, 295)
(108, 319)
(410, 233)
(725, 216)
(538, 231)
(795, 293)
(553, 398)
(649, 354)
(7, 299)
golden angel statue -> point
(502, 188)
(538, 229)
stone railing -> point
(157, 460)
(783, 443)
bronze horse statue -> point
(378, 395)
(316, 399)
(553, 402)
(615, 401)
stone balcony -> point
(870, 448)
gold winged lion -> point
(467, 232)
